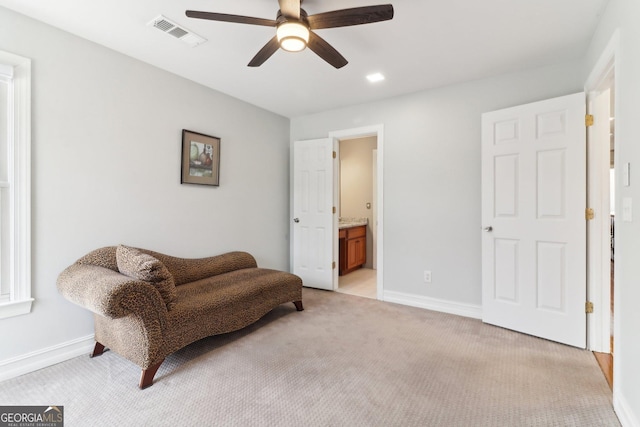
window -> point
(15, 185)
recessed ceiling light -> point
(375, 77)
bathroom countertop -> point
(351, 222)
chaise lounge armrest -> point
(109, 293)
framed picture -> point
(200, 159)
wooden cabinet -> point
(353, 248)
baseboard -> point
(460, 309)
(624, 411)
(39, 359)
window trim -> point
(20, 300)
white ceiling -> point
(427, 44)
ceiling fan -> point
(294, 28)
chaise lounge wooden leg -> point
(98, 349)
(298, 305)
(146, 378)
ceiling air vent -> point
(181, 33)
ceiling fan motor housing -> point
(293, 34)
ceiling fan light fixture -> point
(292, 36)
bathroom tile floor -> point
(361, 282)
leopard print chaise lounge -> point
(148, 305)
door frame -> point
(378, 132)
(599, 324)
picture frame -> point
(200, 159)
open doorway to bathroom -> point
(358, 216)
(605, 359)
(602, 196)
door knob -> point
(488, 229)
(296, 220)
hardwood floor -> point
(605, 360)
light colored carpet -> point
(344, 361)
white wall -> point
(106, 170)
(623, 15)
(432, 174)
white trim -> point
(624, 410)
(599, 323)
(336, 204)
(434, 304)
(291, 178)
(598, 229)
(20, 177)
(604, 63)
(15, 308)
(45, 357)
(6, 71)
(377, 131)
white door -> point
(533, 215)
(313, 217)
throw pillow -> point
(141, 266)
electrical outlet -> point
(427, 276)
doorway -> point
(605, 176)
(376, 226)
(602, 171)
(357, 216)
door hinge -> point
(334, 155)
(588, 120)
(589, 214)
(333, 266)
(588, 307)
(334, 209)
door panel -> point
(506, 186)
(550, 184)
(533, 200)
(551, 283)
(506, 280)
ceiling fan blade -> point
(325, 51)
(239, 19)
(290, 8)
(353, 16)
(265, 53)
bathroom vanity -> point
(353, 246)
